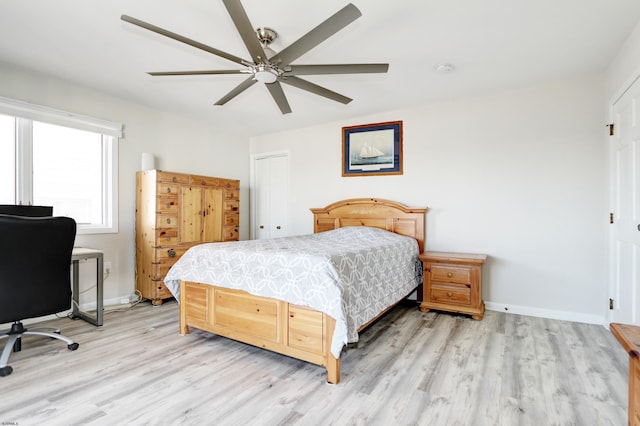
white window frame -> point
(111, 132)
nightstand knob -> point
(449, 274)
(449, 294)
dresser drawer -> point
(205, 181)
(161, 290)
(173, 253)
(231, 219)
(230, 234)
(450, 274)
(166, 237)
(173, 177)
(165, 258)
(460, 295)
(232, 194)
(167, 204)
(168, 189)
(231, 206)
(166, 220)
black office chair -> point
(35, 259)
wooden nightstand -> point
(453, 282)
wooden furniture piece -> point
(296, 331)
(175, 211)
(453, 282)
(629, 338)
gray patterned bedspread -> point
(351, 274)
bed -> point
(305, 296)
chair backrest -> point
(35, 260)
(23, 210)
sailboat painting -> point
(372, 149)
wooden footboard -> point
(278, 326)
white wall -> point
(519, 175)
(179, 144)
(625, 66)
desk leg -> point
(99, 290)
(76, 288)
(77, 313)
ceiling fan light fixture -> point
(265, 74)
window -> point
(50, 157)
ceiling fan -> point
(269, 67)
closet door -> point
(625, 208)
(271, 183)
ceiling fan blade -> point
(182, 39)
(278, 95)
(337, 69)
(246, 30)
(314, 88)
(326, 29)
(236, 91)
(206, 72)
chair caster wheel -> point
(73, 346)
(5, 371)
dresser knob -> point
(171, 253)
(449, 274)
(449, 294)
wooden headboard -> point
(373, 212)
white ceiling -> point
(493, 45)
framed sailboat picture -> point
(372, 149)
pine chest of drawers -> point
(175, 211)
(453, 282)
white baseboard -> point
(546, 313)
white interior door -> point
(625, 238)
(271, 186)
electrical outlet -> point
(107, 268)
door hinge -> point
(611, 129)
(611, 304)
(610, 217)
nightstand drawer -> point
(451, 274)
(460, 295)
(453, 282)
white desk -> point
(82, 253)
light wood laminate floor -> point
(410, 368)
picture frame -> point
(372, 149)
